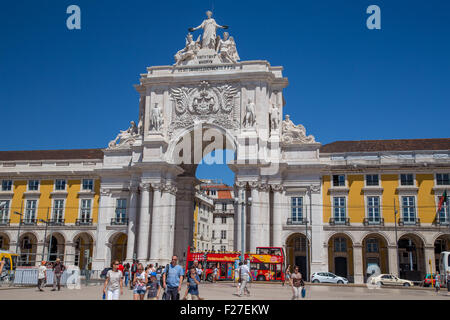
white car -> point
(327, 277)
(389, 280)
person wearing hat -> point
(153, 287)
(42, 275)
(58, 269)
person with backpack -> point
(172, 280)
(58, 269)
(133, 272)
(297, 284)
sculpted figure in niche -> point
(250, 114)
(125, 137)
(155, 118)
(274, 117)
(189, 51)
(209, 26)
(227, 49)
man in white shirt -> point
(244, 277)
(42, 275)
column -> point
(393, 260)
(239, 215)
(264, 215)
(171, 211)
(358, 264)
(69, 254)
(157, 215)
(277, 214)
(429, 255)
(144, 222)
(254, 218)
(132, 225)
(105, 206)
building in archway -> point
(332, 208)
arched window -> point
(340, 245)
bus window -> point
(7, 265)
(264, 266)
(14, 261)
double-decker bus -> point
(267, 264)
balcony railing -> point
(339, 221)
(119, 221)
(374, 222)
(441, 222)
(409, 222)
(83, 222)
(56, 222)
(5, 222)
(28, 222)
(296, 221)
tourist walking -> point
(58, 269)
(193, 280)
(133, 272)
(139, 282)
(297, 284)
(438, 282)
(42, 276)
(215, 272)
(113, 286)
(172, 280)
(153, 287)
(126, 273)
(244, 278)
(287, 275)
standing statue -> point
(125, 137)
(189, 51)
(227, 49)
(209, 26)
(155, 118)
(250, 113)
(274, 117)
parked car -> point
(429, 279)
(104, 272)
(389, 280)
(327, 277)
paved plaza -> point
(226, 291)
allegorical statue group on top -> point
(210, 42)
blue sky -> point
(74, 89)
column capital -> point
(265, 187)
(105, 191)
(315, 188)
(277, 187)
(170, 188)
(241, 184)
(144, 186)
(254, 184)
(157, 186)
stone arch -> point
(28, 242)
(117, 244)
(55, 247)
(441, 242)
(348, 234)
(84, 249)
(411, 247)
(340, 255)
(298, 251)
(5, 241)
(375, 254)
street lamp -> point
(396, 239)
(18, 233)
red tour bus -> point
(266, 265)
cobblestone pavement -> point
(227, 291)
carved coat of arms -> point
(205, 102)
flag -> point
(442, 200)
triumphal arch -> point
(208, 99)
